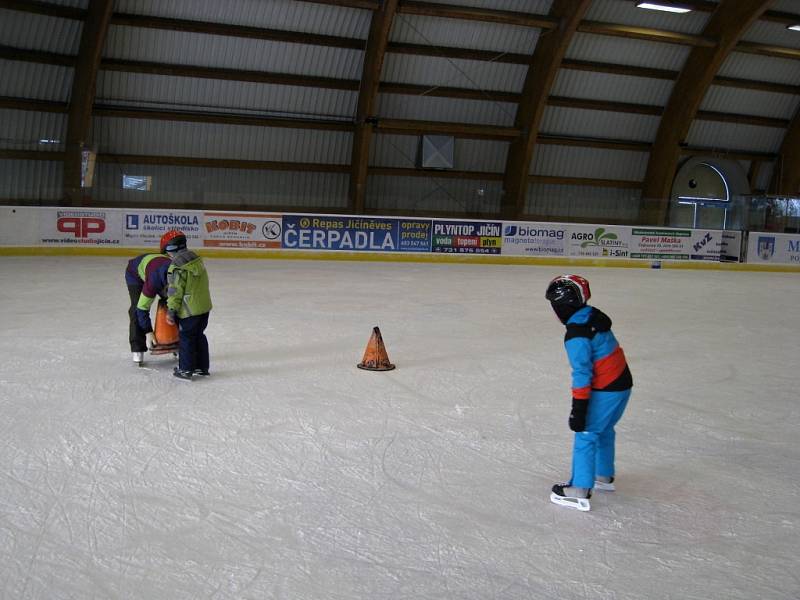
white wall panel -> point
(270, 14)
(485, 156)
(562, 202)
(223, 187)
(29, 130)
(734, 136)
(432, 194)
(35, 81)
(32, 180)
(774, 34)
(761, 68)
(175, 47)
(750, 102)
(458, 33)
(469, 74)
(39, 32)
(190, 93)
(640, 53)
(789, 6)
(764, 176)
(537, 7)
(572, 161)
(468, 155)
(626, 13)
(398, 151)
(450, 110)
(208, 140)
(82, 4)
(599, 124)
(614, 88)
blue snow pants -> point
(193, 345)
(593, 449)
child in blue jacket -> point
(601, 387)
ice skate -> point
(184, 375)
(562, 494)
(202, 372)
(138, 358)
(602, 485)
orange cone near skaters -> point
(166, 335)
(375, 357)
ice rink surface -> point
(292, 474)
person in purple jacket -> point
(146, 277)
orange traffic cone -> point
(375, 357)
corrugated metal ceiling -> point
(39, 32)
(287, 15)
(19, 29)
(626, 13)
(226, 52)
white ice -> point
(291, 474)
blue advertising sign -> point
(473, 237)
(415, 235)
(333, 232)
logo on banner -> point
(236, 225)
(81, 224)
(702, 243)
(515, 231)
(159, 222)
(766, 247)
(600, 237)
(271, 230)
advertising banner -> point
(241, 230)
(706, 245)
(471, 237)
(333, 232)
(773, 248)
(80, 226)
(415, 235)
(534, 239)
(145, 227)
(672, 244)
(730, 249)
(606, 241)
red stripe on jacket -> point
(608, 368)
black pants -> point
(136, 335)
(193, 347)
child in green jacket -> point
(189, 304)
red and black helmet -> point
(569, 290)
(173, 240)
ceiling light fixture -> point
(793, 27)
(664, 6)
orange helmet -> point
(173, 240)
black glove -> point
(577, 418)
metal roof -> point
(481, 54)
(39, 32)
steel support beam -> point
(93, 37)
(539, 80)
(366, 117)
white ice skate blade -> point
(604, 486)
(581, 504)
